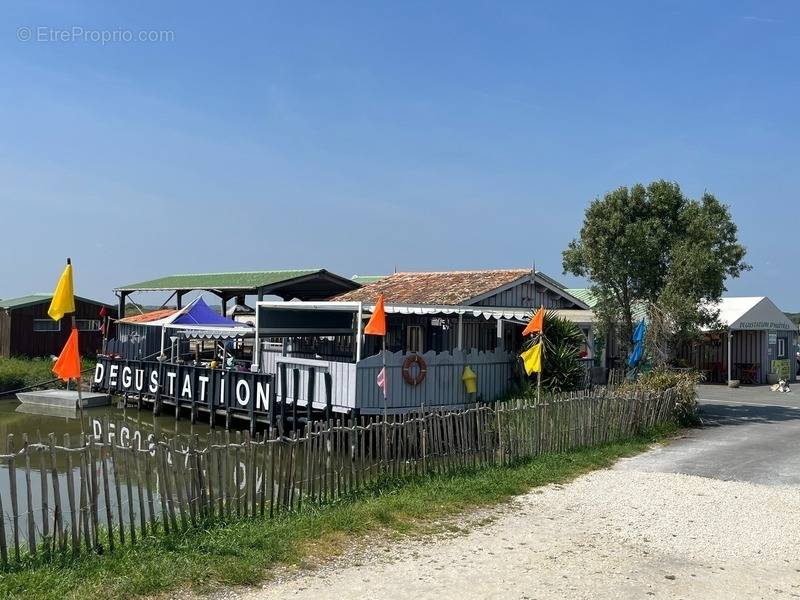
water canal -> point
(127, 427)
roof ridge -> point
(520, 270)
(240, 272)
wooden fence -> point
(108, 490)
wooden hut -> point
(754, 343)
(27, 330)
(449, 320)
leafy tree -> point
(561, 368)
(653, 248)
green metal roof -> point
(22, 301)
(638, 310)
(33, 299)
(585, 295)
(242, 280)
(365, 279)
(547, 279)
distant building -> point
(754, 344)
(27, 330)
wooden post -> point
(115, 470)
(74, 525)
(106, 495)
(29, 495)
(43, 488)
(92, 480)
(3, 548)
(328, 396)
(296, 392)
(12, 478)
(162, 487)
(312, 385)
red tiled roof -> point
(154, 315)
(447, 287)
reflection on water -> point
(35, 420)
(129, 427)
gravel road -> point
(715, 514)
(610, 534)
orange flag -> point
(536, 324)
(68, 365)
(377, 322)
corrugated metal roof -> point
(444, 287)
(547, 279)
(153, 315)
(34, 299)
(365, 279)
(585, 295)
(23, 301)
(218, 281)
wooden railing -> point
(112, 489)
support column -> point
(730, 335)
(255, 366)
(179, 298)
(460, 331)
(500, 342)
(123, 296)
(224, 304)
(359, 326)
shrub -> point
(685, 382)
(561, 367)
(18, 372)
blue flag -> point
(638, 345)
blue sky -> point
(368, 136)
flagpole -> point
(377, 326)
(386, 384)
(541, 336)
(539, 372)
(78, 380)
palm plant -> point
(561, 367)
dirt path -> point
(610, 534)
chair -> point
(750, 373)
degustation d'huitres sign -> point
(215, 388)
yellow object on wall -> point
(470, 380)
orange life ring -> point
(408, 377)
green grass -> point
(16, 373)
(243, 551)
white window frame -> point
(96, 322)
(420, 339)
(53, 326)
(781, 351)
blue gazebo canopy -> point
(200, 313)
(199, 320)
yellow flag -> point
(63, 301)
(532, 359)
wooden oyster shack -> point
(308, 358)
